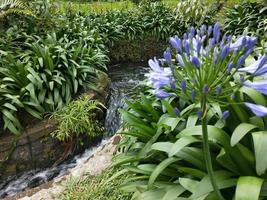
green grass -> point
(100, 6)
(63, 6)
(94, 188)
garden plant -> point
(200, 131)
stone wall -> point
(35, 148)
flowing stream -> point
(124, 79)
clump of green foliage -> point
(78, 118)
(248, 16)
(194, 13)
(10, 7)
(96, 188)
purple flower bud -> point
(173, 85)
(199, 114)
(187, 47)
(198, 47)
(195, 61)
(205, 89)
(185, 36)
(209, 30)
(223, 41)
(183, 85)
(167, 55)
(248, 52)
(225, 51)
(162, 94)
(191, 33)
(176, 43)
(239, 43)
(218, 90)
(177, 111)
(180, 60)
(230, 67)
(216, 31)
(241, 61)
(212, 43)
(244, 41)
(193, 94)
(250, 42)
(229, 39)
(225, 115)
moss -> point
(94, 188)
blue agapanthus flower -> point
(206, 63)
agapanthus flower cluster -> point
(206, 63)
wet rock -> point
(101, 160)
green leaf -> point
(180, 144)
(136, 122)
(193, 172)
(132, 187)
(226, 161)
(162, 146)
(173, 192)
(160, 167)
(169, 121)
(152, 194)
(189, 184)
(240, 131)
(257, 97)
(248, 188)
(191, 121)
(169, 108)
(204, 187)
(260, 145)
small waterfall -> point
(123, 81)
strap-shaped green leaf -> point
(223, 179)
(164, 164)
(162, 146)
(240, 131)
(181, 143)
(248, 188)
(260, 145)
(173, 192)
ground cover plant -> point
(200, 132)
(95, 188)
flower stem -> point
(206, 150)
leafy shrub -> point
(9, 7)
(77, 118)
(46, 75)
(194, 13)
(249, 16)
(158, 20)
